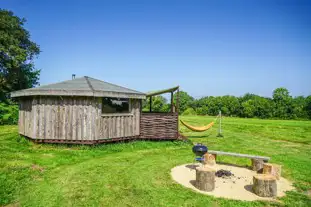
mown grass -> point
(138, 173)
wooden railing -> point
(159, 126)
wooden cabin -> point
(89, 111)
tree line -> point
(281, 105)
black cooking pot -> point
(199, 149)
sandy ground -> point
(238, 187)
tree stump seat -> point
(265, 185)
(205, 178)
(209, 160)
(272, 169)
(257, 165)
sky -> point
(208, 48)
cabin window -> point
(115, 105)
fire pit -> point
(224, 173)
(236, 186)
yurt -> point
(89, 111)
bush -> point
(189, 112)
(8, 113)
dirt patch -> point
(238, 186)
(17, 204)
(37, 167)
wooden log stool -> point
(272, 169)
(205, 178)
(257, 165)
(209, 160)
(265, 185)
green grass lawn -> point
(138, 173)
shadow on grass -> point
(198, 136)
(109, 142)
(214, 136)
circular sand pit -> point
(237, 186)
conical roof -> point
(84, 86)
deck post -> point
(150, 102)
(172, 101)
(177, 111)
(177, 101)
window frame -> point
(127, 113)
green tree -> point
(185, 101)
(248, 108)
(215, 104)
(247, 96)
(264, 107)
(299, 106)
(230, 105)
(307, 107)
(283, 103)
(280, 94)
(208, 105)
(203, 110)
(17, 53)
(159, 104)
(189, 112)
(198, 103)
(256, 106)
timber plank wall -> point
(51, 118)
(159, 125)
(123, 125)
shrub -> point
(189, 112)
(8, 113)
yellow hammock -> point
(198, 129)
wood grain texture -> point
(119, 125)
(80, 118)
(41, 119)
(205, 179)
(79, 129)
(75, 118)
(265, 185)
(47, 118)
(57, 118)
(257, 165)
(37, 112)
(272, 169)
(74, 122)
(20, 118)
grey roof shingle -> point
(84, 86)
